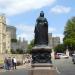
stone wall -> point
(19, 57)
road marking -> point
(58, 70)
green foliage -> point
(69, 42)
(30, 46)
(13, 40)
(18, 51)
(13, 52)
(59, 48)
(69, 34)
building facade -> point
(8, 36)
(2, 34)
(8, 42)
(53, 41)
(50, 40)
(20, 45)
(12, 31)
(56, 41)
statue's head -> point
(41, 14)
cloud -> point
(59, 35)
(13, 7)
(8, 21)
(27, 31)
(51, 29)
(58, 9)
(28, 36)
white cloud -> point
(60, 9)
(28, 36)
(59, 35)
(13, 7)
(27, 31)
(8, 21)
(51, 29)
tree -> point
(19, 51)
(69, 34)
(13, 52)
(59, 48)
(14, 40)
(30, 46)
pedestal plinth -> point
(41, 61)
(43, 69)
(41, 54)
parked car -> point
(64, 56)
(56, 56)
(61, 55)
(73, 58)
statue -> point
(41, 30)
(41, 51)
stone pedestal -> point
(41, 54)
(43, 69)
(41, 61)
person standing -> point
(9, 63)
(5, 63)
(14, 62)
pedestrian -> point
(5, 63)
(14, 62)
(9, 63)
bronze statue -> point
(41, 51)
(41, 30)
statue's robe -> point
(41, 31)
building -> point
(12, 31)
(2, 34)
(56, 41)
(20, 44)
(50, 40)
(8, 40)
(53, 41)
(10, 35)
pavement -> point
(64, 67)
(24, 66)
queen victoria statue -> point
(41, 51)
(41, 30)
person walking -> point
(14, 62)
(5, 64)
(9, 63)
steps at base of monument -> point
(43, 69)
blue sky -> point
(23, 14)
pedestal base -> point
(43, 69)
(41, 54)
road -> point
(15, 72)
(65, 66)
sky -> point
(23, 14)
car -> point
(73, 58)
(56, 56)
(64, 56)
(59, 54)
